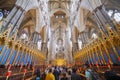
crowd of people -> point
(83, 72)
(73, 73)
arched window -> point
(79, 44)
(114, 14)
(117, 17)
(24, 36)
(94, 36)
(39, 44)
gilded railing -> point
(14, 47)
(104, 50)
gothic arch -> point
(28, 22)
(56, 10)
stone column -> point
(8, 19)
(44, 44)
(103, 18)
(33, 37)
(44, 48)
(40, 41)
(17, 19)
(68, 48)
(16, 15)
(74, 42)
(107, 17)
(85, 38)
(50, 47)
(82, 39)
(86, 35)
(19, 22)
(34, 34)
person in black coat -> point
(56, 74)
(74, 75)
(110, 75)
(37, 73)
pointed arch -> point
(59, 9)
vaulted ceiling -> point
(7, 4)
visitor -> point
(50, 75)
(64, 77)
(75, 75)
(56, 73)
(91, 74)
(87, 72)
(38, 74)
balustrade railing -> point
(105, 50)
(14, 50)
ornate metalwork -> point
(105, 45)
(11, 42)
